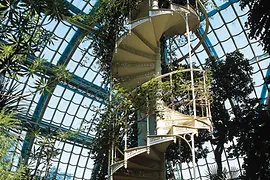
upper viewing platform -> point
(157, 7)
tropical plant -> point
(8, 140)
(230, 82)
(213, 173)
(22, 36)
(117, 114)
(258, 21)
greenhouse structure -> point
(134, 89)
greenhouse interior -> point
(134, 89)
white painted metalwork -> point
(144, 58)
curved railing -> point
(175, 103)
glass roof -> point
(71, 105)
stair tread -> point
(136, 148)
(159, 23)
(144, 165)
(135, 173)
(150, 37)
(134, 41)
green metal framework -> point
(70, 106)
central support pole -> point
(193, 156)
(155, 4)
(193, 92)
(125, 138)
(147, 125)
(191, 70)
(159, 90)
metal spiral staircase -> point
(135, 62)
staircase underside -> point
(137, 54)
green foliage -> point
(110, 16)
(22, 36)
(117, 114)
(251, 129)
(258, 21)
(231, 77)
(55, 9)
(230, 82)
(45, 149)
(213, 174)
(246, 122)
(120, 112)
(7, 141)
(41, 156)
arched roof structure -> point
(70, 106)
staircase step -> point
(132, 69)
(159, 139)
(146, 42)
(134, 80)
(176, 24)
(132, 40)
(153, 155)
(159, 20)
(137, 52)
(143, 163)
(176, 130)
(179, 14)
(116, 166)
(145, 31)
(132, 152)
(137, 76)
(134, 174)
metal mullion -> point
(84, 54)
(17, 149)
(14, 82)
(218, 41)
(199, 172)
(55, 109)
(260, 69)
(238, 160)
(62, 150)
(243, 29)
(69, 162)
(87, 134)
(195, 53)
(95, 77)
(230, 172)
(179, 49)
(77, 164)
(82, 122)
(47, 42)
(60, 162)
(68, 106)
(73, 119)
(42, 23)
(249, 43)
(263, 59)
(60, 44)
(207, 165)
(189, 169)
(97, 73)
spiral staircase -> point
(136, 61)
